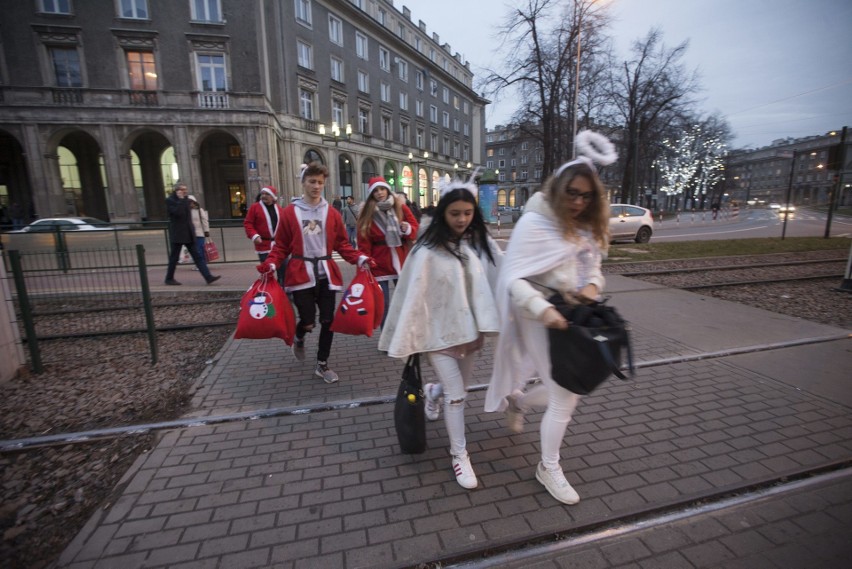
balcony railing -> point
(213, 100)
(143, 98)
(68, 96)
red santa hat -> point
(269, 190)
(377, 182)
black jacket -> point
(181, 229)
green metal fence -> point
(65, 293)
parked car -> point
(51, 224)
(630, 222)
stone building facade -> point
(104, 104)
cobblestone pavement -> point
(327, 487)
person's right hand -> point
(265, 267)
(255, 238)
(552, 319)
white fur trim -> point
(378, 184)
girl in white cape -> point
(557, 244)
(443, 307)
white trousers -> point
(453, 374)
(559, 401)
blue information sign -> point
(252, 164)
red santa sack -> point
(360, 311)
(265, 312)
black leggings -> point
(306, 301)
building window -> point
(337, 69)
(386, 92)
(382, 16)
(525, 145)
(524, 175)
(445, 148)
(134, 9)
(489, 152)
(56, 6)
(501, 151)
(501, 177)
(384, 58)
(524, 159)
(456, 102)
(456, 125)
(420, 138)
(466, 127)
(363, 82)
(338, 111)
(400, 31)
(418, 108)
(335, 30)
(403, 101)
(455, 149)
(306, 104)
(501, 163)
(465, 107)
(433, 114)
(446, 96)
(433, 87)
(211, 73)
(417, 43)
(466, 153)
(445, 121)
(306, 55)
(303, 12)
(537, 174)
(142, 71)
(66, 66)
(206, 11)
(418, 80)
(364, 121)
(433, 142)
(387, 133)
(489, 164)
(361, 46)
(403, 70)
(404, 133)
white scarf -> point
(385, 218)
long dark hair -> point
(439, 234)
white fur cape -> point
(536, 247)
(440, 302)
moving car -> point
(630, 222)
(787, 210)
(51, 224)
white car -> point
(51, 224)
(630, 222)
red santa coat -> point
(258, 222)
(389, 260)
(290, 243)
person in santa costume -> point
(309, 231)
(443, 307)
(260, 223)
(557, 245)
(386, 228)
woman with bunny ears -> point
(556, 245)
(444, 307)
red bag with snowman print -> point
(360, 311)
(265, 312)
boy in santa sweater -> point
(310, 230)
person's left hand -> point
(207, 234)
(588, 293)
(404, 227)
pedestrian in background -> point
(556, 245)
(182, 232)
(337, 204)
(444, 307)
(310, 230)
(260, 223)
(386, 227)
(350, 220)
(201, 224)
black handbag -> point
(409, 417)
(590, 350)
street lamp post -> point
(577, 83)
(335, 133)
(417, 162)
(789, 192)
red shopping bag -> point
(210, 250)
(360, 310)
(265, 312)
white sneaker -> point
(433, 393)
(514, 415)
(556, 484)
(326, 374)
(464, 472)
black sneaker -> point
(326, 374)
(213, 279)
(299, 349)
(172, 282)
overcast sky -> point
(773, 68)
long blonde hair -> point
(595, 217)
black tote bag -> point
(590, 350)
(409, 416)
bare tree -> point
(541, 51)
(647, 91)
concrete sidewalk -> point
(727, 397)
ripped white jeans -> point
(453, 374)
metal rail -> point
(729, 267)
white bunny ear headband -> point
(302, 169)
(592, 148)
(447, 186)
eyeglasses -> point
(573, 194)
